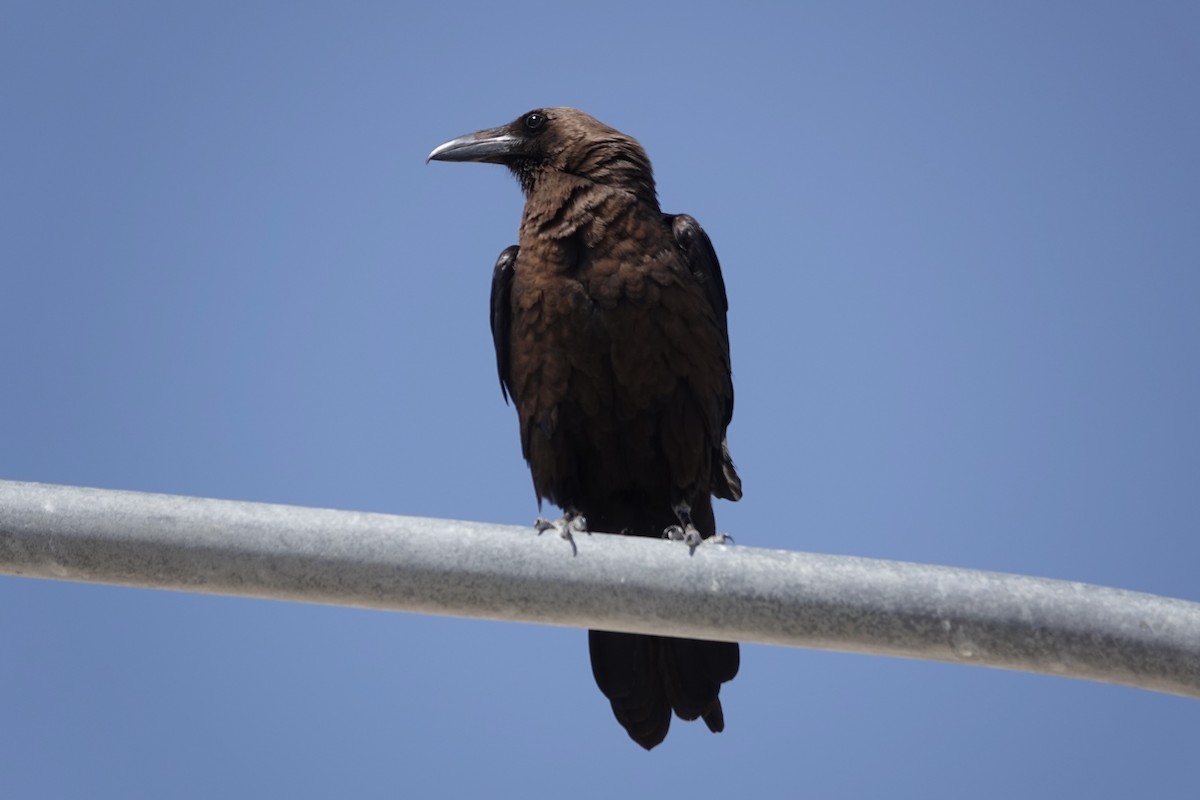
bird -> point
(608, 319)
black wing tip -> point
(727, 484)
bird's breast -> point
(610, 334)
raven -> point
(609, 325)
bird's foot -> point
(572, 521)
(685, 531)
(686, 534)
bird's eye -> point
(534, 121)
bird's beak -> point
(495, 145)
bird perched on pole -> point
(609, 324)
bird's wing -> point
(701, 259)
(502, 279)
(697, 251)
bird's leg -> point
(685, 531)
(571, 520)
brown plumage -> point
(611, 340)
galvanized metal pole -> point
(611, 582)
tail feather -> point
(626, 670)
(646, 677)
(693, 676)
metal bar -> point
(437, 566)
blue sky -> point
(960, 244)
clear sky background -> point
(961, 249)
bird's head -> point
(562, 140)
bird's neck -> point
(561, 205)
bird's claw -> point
(565, 525)
(688, 535)
(692, 538)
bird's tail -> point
(645, 678)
